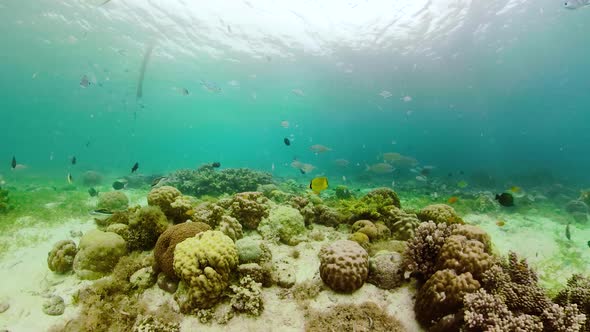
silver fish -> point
(575, 4)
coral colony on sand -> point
(213, 245)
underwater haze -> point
(481, 107)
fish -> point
(500, 223)
(73, 160)
(183, 91)
(588, 243)
(216, 164)
(575, 4)
(341, 162)
(425, 171)
(298, 92)
(70, 179)
(399, 160)
(385, 94)
(119, 184)
(421, 178)
(157, 180)
(380, 168)
(406, 99)
(318, 184)
(85, 82)
(302, 171)
(453, 200)
(303, 167)
(93, 192)
(13, 163)
(505, 199)
(285, 124)
(462, 184)
(568, 233)
(135, 167)
(210, 86)
(344, 178)
(515, 189)
(318, 148)
(287, 141)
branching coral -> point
(577, 292)
(247, 296)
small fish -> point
(421, 178)
(85, 82)
(183, 91)
(575, 4)
(272, 167)
(462, 184)
(157, 180)
(119, 184)
(341, 162)
(500, 223)
(515, 189)
(425, 171)
(228, 29)
(287, 141)
(285, 124)
(343, 178)
(216, 164)
(505, 199)
(385, 94)
(380, 168)
(298, 92)
(135, 167)
(93, 192)
(73, 160)
(318, 184)
(13, 163)
(210, 86)
(88, 144)
(70, 179)
(302, 171)
(318, 148)
(453, 200)
(568, 233)
(407, 99)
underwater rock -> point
(143, 278)
(284, 276)
(261, 274)
(166, 283)
(385, 270)
(61, 257)
(98, 254)
(54, 306)
(344, 266)
(208, 181)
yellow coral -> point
(205, 263)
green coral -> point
(98, 254)
(342, 192)
(145, 226)
(4, 201)
(284, 223)
(204, 264)
(207, 180)
(112, 201)
(371, 207)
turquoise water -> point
(487, 97)
(507, 100)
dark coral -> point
(209, 181)
(577, 292)
(164, 251)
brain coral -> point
(61, 258)
(204, 263)
(231, 227)
(464, 255)
(164, 197)
(443, 294)
(164, 251)
(112, 201)
(440, 213)
(344, 266)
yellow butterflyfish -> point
(318, 184)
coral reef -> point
(423, 249)
(204, 264)
(98, 253)
(344, 265)
(181, 209)
(367, 316)
(259, 273)
(366, 227)
(577, 292)
(439, 213)
(249, 208)
(54, 306)
(371, 206)
(385, 270)
(253, 251)
(442, 295)
(207, 181)
(91, 178)
(164, 250)
(150, 323)
(231, 227)
(163, 197)
(284, 223)
(464, 255)
(401, 223)
(361, 238)
(112, 201)
(145, 226)
(208, 213)
(247, 296)
(342, 192)
(61, 257)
